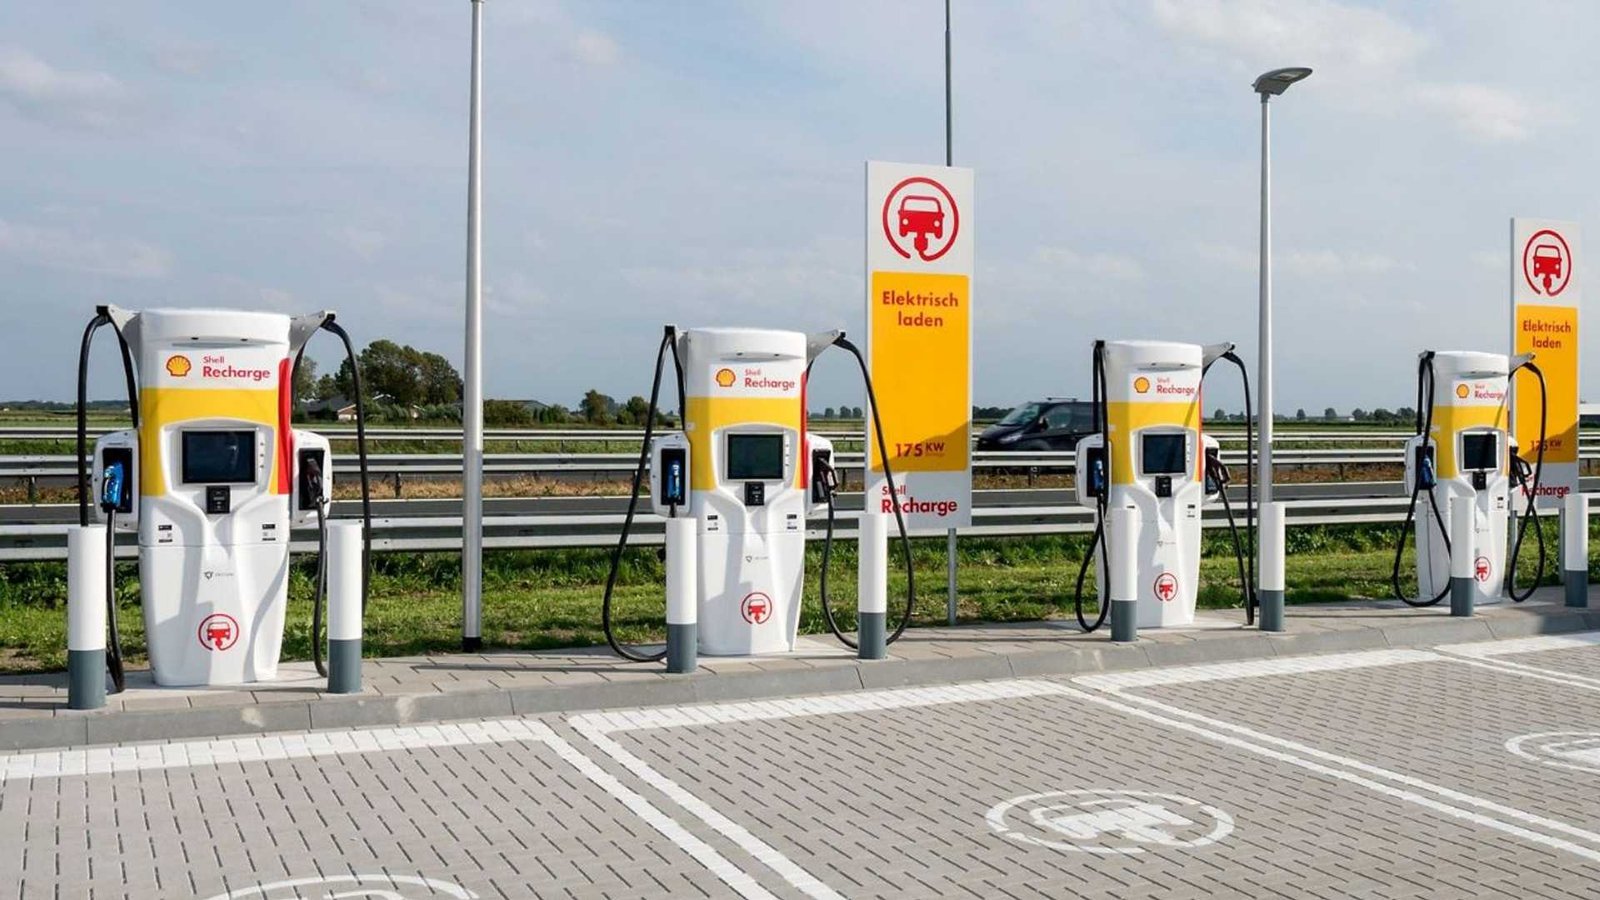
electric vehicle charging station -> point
(1462, 453)
(1151, 460)
(212, 477)
(748, 473)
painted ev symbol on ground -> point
(345, 887)
(1109, 821)
(1575, 750)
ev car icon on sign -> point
(1547, 262)
(920, 215)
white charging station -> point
(1465, 457)
(742, 469)
(212, 479)
(1152, 461)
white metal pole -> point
(344, 606)
(1264, 373)
(472, 402)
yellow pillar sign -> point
(1545, 301)
(920, 237)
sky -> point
(701, 163)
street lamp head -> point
(1278, 80)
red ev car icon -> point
(1166, 586)
(756, 608)
(1547, 264)
(921, 216)
(218, 631)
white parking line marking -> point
(1489, 655)
(704, 853)
(1312, 758)
(268, 748)
(1543, 643)
(1553, 676)
(826, 704)
(596, 726)
(765, 853)
(1255, 668)
(1290, 749)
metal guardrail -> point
(523, 532)
(56, 466)
(21, 468)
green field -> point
(551, 599)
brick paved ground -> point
(1379, 774)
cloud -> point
(47, 94)
(1484, 112)
(1319, 31)
(595, 48)
(514, 294)
(1319, 263)
(1329, 262)
(60, 248)
(1105, 266)
(364, 243)
(1363, 51)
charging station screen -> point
(1164, 454)
(219, 457)
(1479, 451)
(755, 457)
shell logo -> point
(178, 366)
(725, 377)
(1462, 391)
(1141, 385)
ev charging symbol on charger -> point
(218, 631)
(1480, 569)
(1166, 587)
(756, 608)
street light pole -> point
(1270, 549)
(472, 400)
(1264, 351)
(948, 155)
(952, 597)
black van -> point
(1041, 425)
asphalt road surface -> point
(1466, 770)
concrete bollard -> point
(1122, 536)
(872, 586)
(1463, 556)
(1575, 549)
(86, 617)
(344, 607)
(683, 639)
(1270, 575)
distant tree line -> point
(1403, 416)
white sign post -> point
(1546, 292)
(920, 238)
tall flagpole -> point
(472, 402)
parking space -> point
(1044, 790)
(1479, 735)
(1456, 771)
(502, 809)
